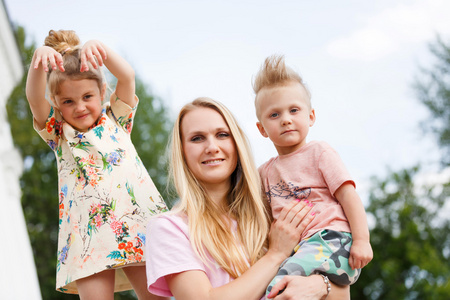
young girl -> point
(105, 193)
(212, 245)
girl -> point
(105, 192)
(218, 230)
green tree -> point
(410, 240)
(39, 180)
(433, 90)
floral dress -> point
(106, 196)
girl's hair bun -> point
(63, 41)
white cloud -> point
(393, 29)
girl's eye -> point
(87, 97)
(67, 101)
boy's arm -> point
(361, 252)
(43, 57)
(117, 65)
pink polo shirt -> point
(168, 251)
(314, 172)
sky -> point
(358, 58)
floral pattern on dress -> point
(106, 196)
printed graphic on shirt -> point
(287, 190)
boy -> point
(312, 172)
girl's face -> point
(80, 102)
(208, 147)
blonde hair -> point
(209, 230)
(67, 43)
(273, 73)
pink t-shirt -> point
(169, 251)
(314, 172)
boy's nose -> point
(286, 121)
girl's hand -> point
(360, 254)
(48, 56)
(91, 50)
(285, 232)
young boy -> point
(336, 243)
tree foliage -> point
(39, 181)
(410, 240)
(433, 90)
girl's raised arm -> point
(98, 54)
(43, 58)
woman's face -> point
(208, 147)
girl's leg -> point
(138, 279)
(97, 286)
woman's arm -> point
(117, 65)
(283, 237)
(43, 57)
(311, 287)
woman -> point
(213, 243)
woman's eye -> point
(223, 135)
(196, 139)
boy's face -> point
(285, 116)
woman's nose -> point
(212, 147)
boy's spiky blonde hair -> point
(273, 73)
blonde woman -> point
(213, 243)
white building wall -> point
(18, 278)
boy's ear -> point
(261, 129)
(312, 117)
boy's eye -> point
(87, 97)
(273, 115)
(294, 110)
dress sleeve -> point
(168, 251)
(122, 113)
(52, 131)
(333, 169)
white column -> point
(18, 278)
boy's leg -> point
(336, 266)
(97, 286)
(325, 252)
(138, 279)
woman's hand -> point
(47, 56)
(307, 288)
(285, 232)
(91, 51)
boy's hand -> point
(360, 254)
(48, 56)
(91, 50)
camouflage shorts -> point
(325, 252)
